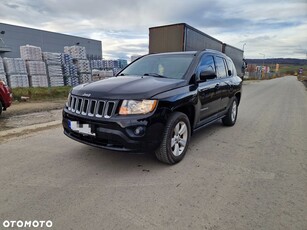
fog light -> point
(140, 130)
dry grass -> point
(41, 93)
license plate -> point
(85, 129)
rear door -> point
(222, 90)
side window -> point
(231, 67)
(220, 67)
(206, 62)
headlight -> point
(137, 106)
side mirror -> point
(207, 74)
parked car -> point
(5, 96)
(155, 103)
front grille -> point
(91, 107)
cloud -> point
(275, 27)
(115, 46)
(13, 6)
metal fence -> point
(260, 75)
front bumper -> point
(116, 133)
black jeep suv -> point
(155, 103)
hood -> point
(127, 87)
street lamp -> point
(243, 49)
(2, 32)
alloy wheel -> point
(179, 138)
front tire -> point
(175, 140)
(232, 113)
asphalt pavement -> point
(249, 176)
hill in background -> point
(286, 61)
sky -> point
(269, 29)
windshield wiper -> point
(154, 75)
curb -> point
(27, 129)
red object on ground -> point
(5, 96)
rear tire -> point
(175, 140)
(231, 115)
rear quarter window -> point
(231, 67)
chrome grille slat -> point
(73, 102)
(69, 102)
(100, 109)
(109, 109)
(85, 107)
(79, 105)
(91, 107)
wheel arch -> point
(238, 96)
(188, 110)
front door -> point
(209, 90)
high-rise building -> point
(122, 63)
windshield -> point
(170, 66)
